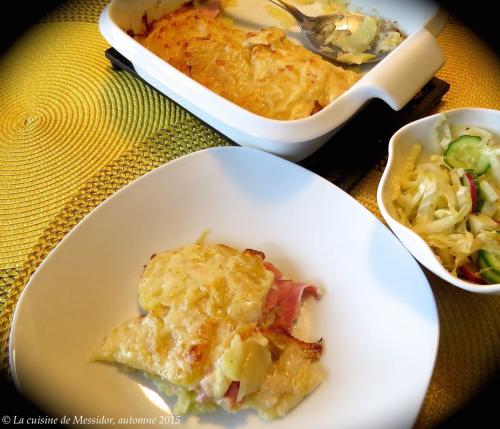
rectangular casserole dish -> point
(396, 79)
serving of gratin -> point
(263, 71)
(218, 332)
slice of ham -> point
(285, 298)
(202, 396)
(271, 267)
(211, 7)
(231, 393)
(290, 296)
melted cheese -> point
(202, 331)
(290, 379)
(218, 280)
(264, 72)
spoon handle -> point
(292, 10)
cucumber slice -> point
(469, 153)
(489, 265)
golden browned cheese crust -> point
(202, 332)
(264, 72)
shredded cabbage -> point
(436, 201)
(442, 132)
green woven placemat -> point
(179, 139)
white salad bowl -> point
(421, 132)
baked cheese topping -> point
(219, 280)
(263, 72)
(209, 335)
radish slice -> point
(232, 392)
(470, 272)
(473, 190)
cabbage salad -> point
(452, 200)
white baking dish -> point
(395, 80)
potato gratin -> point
(217, 331)
(263, 71)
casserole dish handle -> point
(409, 68)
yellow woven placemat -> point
(72, 132)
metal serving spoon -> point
(350, 38)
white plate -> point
(377, 317)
